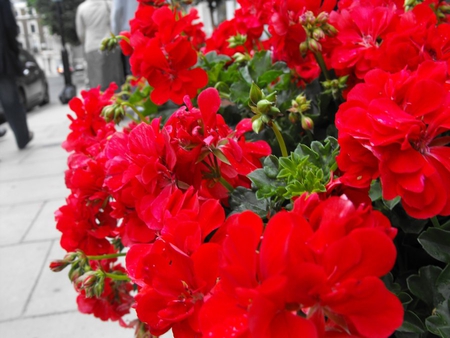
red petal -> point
(209, 104)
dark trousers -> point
(14, 111)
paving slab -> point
(20, 266)
(44, 226)
(16, 220)
(54, 292)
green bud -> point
(314, 46)
(255, 94)
(264, 106)
(322, 17)
(237, 40)
(293, 117)
(318, 34)
(343, 81)
(240, 57)
(257, 125)
(304, 48)
(272, 97)
(274, 111)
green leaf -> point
(213, 57)
(390, 204)
(436, 243)
(242, 199)
(443, 282)
(269, 76)
(260, 63)
(271, 166)
(375, 191)
(424, 285)
(439, 322)
(239, 92)
(246, 75)
(411, 323)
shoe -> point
(2, 132)
(30, 137)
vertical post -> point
(69, 90)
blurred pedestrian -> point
(92, 26)
(121, 14)
(10, 68)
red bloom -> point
(85, 228)
(322, 260)
(401, 119)
(89, 128)
(164, 56)
(173, 285)
(360, 32)
(208, 150)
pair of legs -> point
(14, 111)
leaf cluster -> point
(307, 169)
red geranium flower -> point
(402, 120)
(173, 285)
(322, 261)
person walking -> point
(92, 23)
(121, 14)
(10, 68)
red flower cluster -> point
(314, 273)
(385, 36)
(395, 126)
(163, 54)
(83, 221)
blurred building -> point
(37, 39)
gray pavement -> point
(35, 302)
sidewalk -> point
(35, 302)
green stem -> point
(227, 185)
(138, 113)
(435, 222)
(124, 38)
(108, 256)
(280, 140)
(321, 62)
(117, 277)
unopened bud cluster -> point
(237, 40)
(114, 112)
(335, 87)
(242, 57)
(316, 29)
(84, 276)
(109, 43)
(263, 106)
(297, 112)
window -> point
(32, 28)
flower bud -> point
(318, 34)
(237, 40)
(58, 265)
(304, 48)
(264, 106)
(293, 117)
(307, 123)
(257, 125)
(255, 94)
(241, 57)
(322, 17)
(314, 46)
